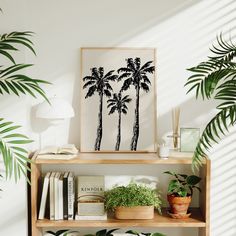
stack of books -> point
(58, 196)
(90, 198)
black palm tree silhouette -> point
(117, 103)
(98, 82)
(136, 75)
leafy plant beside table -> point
(13, 81)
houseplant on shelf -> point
(133, 201)
(12, 81)
(180, 192)
(215, 79)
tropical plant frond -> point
(150, 69)
(146, 79)
(126, 99)
(110, 104)
(108, 74)
(145, 87)
(19, 38)
(112, 110)
(227, 91)
(126, 84)
(124, 75)
(207, 76)
(20, 84)
(95, 73)
(111, 78)
(108, 87)
(124, 111)
(89, 78)
(137, 62)
(146, 65)
(14, 157)
(91, 91)
(215, 128)
(124, 70)
(224, 50)
(101, 71)
(130, 64)
(107, 93)
(88, 83)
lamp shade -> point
(58, 109)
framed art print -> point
(118, 110)
(189, 138)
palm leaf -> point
(7, 42)
(224, 50)
(207, 76)
(214, 129)
(14, 157)
(19, 83)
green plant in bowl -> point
(132, 195)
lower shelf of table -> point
(195, 220)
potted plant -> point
(180, 191)
(105, 232)
(215, 79)
(133, 201)
(63, 232)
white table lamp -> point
(56, 112)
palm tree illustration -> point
(118, 103)
(99, 82)
(136, 75)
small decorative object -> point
(118, 100)
(189, 138)
(164, 151)
(175, 126)
(180, 191)
(128, 205)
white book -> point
(44, 197)
(52, 200)
(56, 195)
(102, 217)
(71, 196)
(60, 197)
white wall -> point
(181, 30)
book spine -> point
(65, 197)
(52, 201)
(60, 198)
(44, 197)
(70, 197)
(56, 196)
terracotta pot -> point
(137, 212)
(179, 205)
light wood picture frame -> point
(118, 100)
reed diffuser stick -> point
(175, 125)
